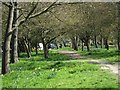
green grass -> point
(111, 56)
(65, 48)
(58, 75)
(53, 56)
(55, 73)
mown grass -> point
(66, 48)
(55, 73)
(58, 75)
(53, 56)
(112, 55)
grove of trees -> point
(25, 25)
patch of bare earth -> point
(104, 66)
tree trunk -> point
(87, 44)
(27, 49)
(21, 46)
(45, 51)
(118, 38)
(95, 40)
(18, 52)
(64, 43)
(82, 45)
(101, 41)
(45, 48)
(36, 48)
(74, 43)
(106, 44)
(6, 44)
(14, 41)
(29, 46)
(118, 42)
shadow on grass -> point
(53, 56)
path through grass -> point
(56, 73)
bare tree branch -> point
(58, 18)
(55, 37)
(36, 14)
(6, 4)
(31, 11)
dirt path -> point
(105, 66)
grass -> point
(111, 56)
(58, 75)
(55, 73)
(66, 48)
(53, 56)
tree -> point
(14, 39)
(6, 44)
(9, 31)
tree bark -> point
(106, 43)
(88, 49)
(14, 41)
(27, 49)
(118, 38)
(74, 43)
(95, 40)
(64, 43)
(36, 48)
(6, 44)
(45, 48)
(21, 46)
(29, 46)
(87, 44)
(101, 41)
(118, 42)
(82, 45)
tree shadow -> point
(53, 56)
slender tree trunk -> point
(45, 51)
(45, 48)
(21, 46)
(29, 46)
(74, 43)
(95, 40)
(118, 38)
(36, 48)
(18, 52)
(6, 44)
(27, 49)
(118, 43)
(87, 44)
(14, 41)
(82, 45)
(101, 41)
(64, 43)
(106, 43)
(1, 32)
